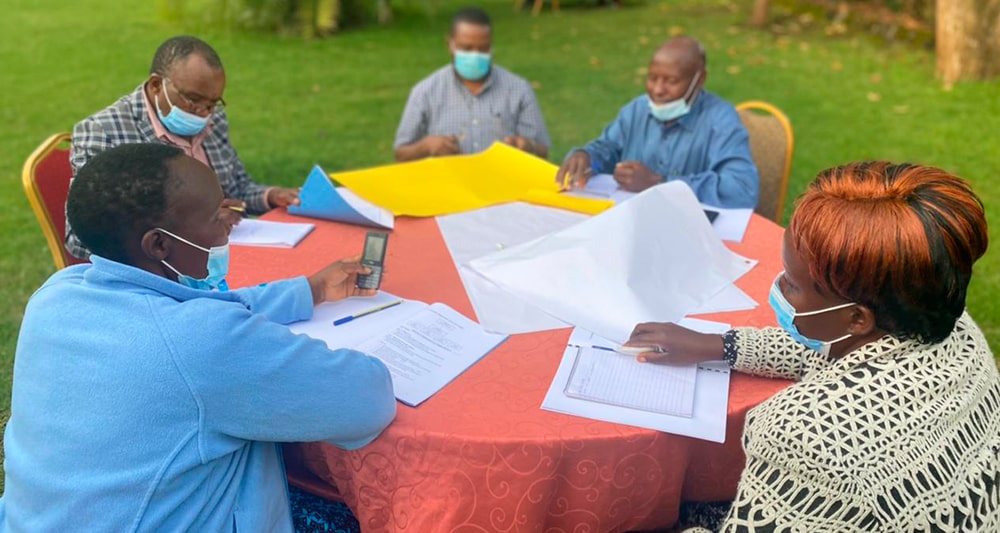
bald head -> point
(684, 51)
(677, 70)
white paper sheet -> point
(253, 232)
(474, 234)
(730, 224)
(653, 258)
(730, 298)
(709, 409)
(619, 379)
(423, 346)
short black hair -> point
(471, 15)
(119, 192)
(177, 48)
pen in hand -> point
(349, 318)
(237, 208)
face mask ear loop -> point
(690, 92)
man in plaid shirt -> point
(180, 104)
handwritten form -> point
(618, 379)
(711, 392)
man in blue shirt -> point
(146, 396)
(676, 131)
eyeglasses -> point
(197, 105)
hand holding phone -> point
(373, 258)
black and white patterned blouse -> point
(895, 436)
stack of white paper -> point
(730, 224)
(653, 258)
(253, 232)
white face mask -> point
(674, 109)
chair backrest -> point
(771, 145)
(46, 177)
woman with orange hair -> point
(894, 424)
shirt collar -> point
(107, 271)
(163, 133)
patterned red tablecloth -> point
(481, 455)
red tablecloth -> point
(481, 455)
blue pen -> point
(627, 350)
(349, 318)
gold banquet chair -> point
(45, 176)
(771, 145)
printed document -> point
(423, 346)
(320, 199)
(254, 232)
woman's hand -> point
(339, 281)
(676, 344)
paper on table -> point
(423, 346)
(481, 232)
(321, 199)
(709, 409)
(655, 256)
(730, 224)
(254, 232)
(731, 298)
(619, 379)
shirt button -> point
(475, 121)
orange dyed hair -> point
(898, 239)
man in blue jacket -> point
(677, 131)
(148, 397)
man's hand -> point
(435, 145)
(633, 176)
(574, 172)
(527, 145)
(670, 343)
(282, 197)
(231, 212)
(338, 281)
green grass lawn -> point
(293, 103)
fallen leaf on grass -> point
(876, 77)
(901, 109)
(733, 69)
(675, 31)
(874, 97)
(836, 66)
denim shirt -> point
(708, 149)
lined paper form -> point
(618, 379)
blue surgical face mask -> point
(786, 314)
(178, 121)
(217, 264)
(674, 109)
(472, 66)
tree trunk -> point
(759, 17)
(967, 39)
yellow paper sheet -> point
(443, 185)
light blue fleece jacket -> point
(139, 404)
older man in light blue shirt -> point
(676, 131)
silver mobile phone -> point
(373, 258)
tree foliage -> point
(309, 18)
